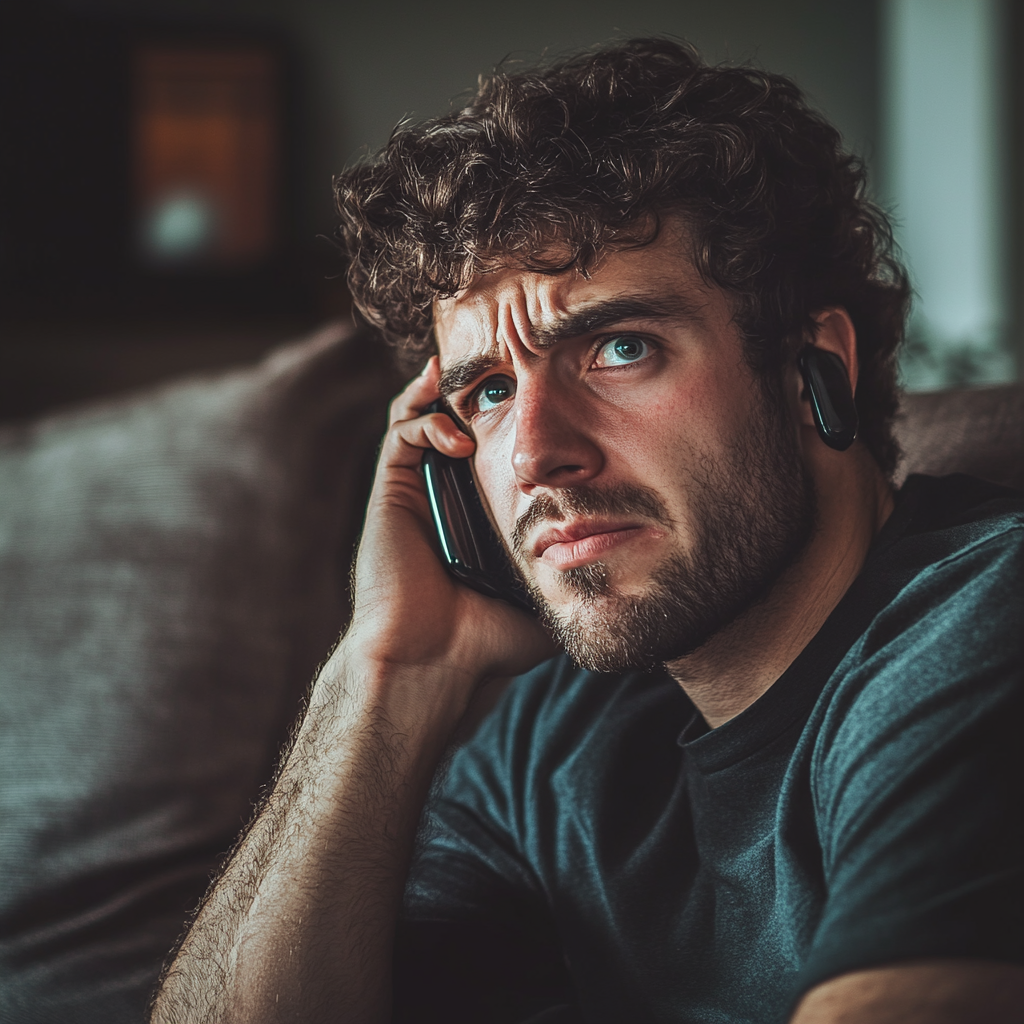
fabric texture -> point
(598, 852)
(979, 431)
(173, 567)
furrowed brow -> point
(609, 312)
(464, 371)
(587, 320)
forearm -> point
(923, 992)
(300, 925)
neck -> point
(735, 667)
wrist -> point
(422, 702)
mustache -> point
(621, 499)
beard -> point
(752, 513)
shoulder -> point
(950, 575)
(943, 516)
(916, 765)
(939, 667)
(966, 593)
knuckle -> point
(405, 434)
(398, 410)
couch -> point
(173, 568)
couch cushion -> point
(172, 569)
(978, 431)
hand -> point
(408, 611)
(302, 919)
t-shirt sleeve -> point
(475, 942)
(917, 775)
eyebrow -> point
(587, 319)
(464, 371)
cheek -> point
(655, 432)
(492, 468)
(679, 430)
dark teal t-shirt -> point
(597, 853)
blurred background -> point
(165, 165)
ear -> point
(833, 332)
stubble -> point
(752, 511)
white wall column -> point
(944, 109)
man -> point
(782, 778)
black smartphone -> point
(470, 547)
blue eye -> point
(493, 392)
(622, 349)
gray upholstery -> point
(172, 569)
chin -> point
(600, 627)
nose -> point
(553, 447)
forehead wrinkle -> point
(520, 304)
(552, 309)
(555, 321)
(510, 331)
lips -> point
(573, 544)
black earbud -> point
(835, 413)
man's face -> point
(648, 487)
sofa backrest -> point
(173, 567)
(978, 431)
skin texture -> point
(937, 992)
(300, 925)
(657, 422)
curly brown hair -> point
(547, 166)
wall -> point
(365, 66)
(946, 148)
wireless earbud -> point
(835, 413)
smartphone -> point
(470, 547)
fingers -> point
(407, 439)
(416, 395)
(411, 431)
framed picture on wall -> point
(146, 166)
